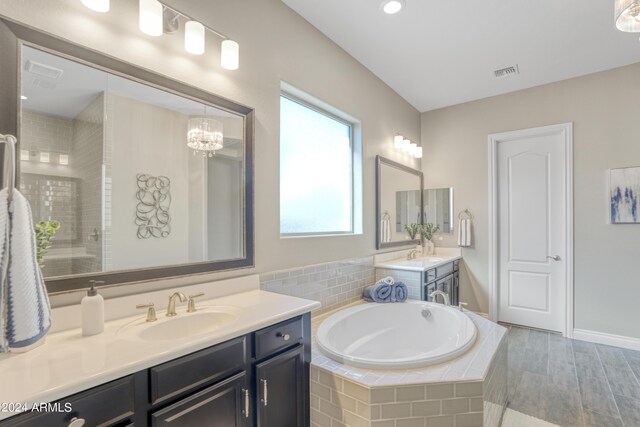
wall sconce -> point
(406, 145)
(627, 14)
(153, 22)
(150, 17)
(194, 37)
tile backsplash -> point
(333, 284)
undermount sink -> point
(419, 262)
(183, 325)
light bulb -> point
(417, 153)
(397, 141)
(230, 55)
(44, 157)
(101, 6)
(150, 19)
(391, 7)
(405, 145)
(194, 37)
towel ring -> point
(466, 213)
(9, 178)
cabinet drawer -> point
(444, 270)
(225, 404)
(105, 405)
(430, 276)
(173, 378)
(278, 337)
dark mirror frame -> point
(384, 161)
(13, 36)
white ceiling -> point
(437, 53)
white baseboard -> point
(607, 339)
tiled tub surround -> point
(334, 284)
(468, 391)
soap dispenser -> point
(92, 307)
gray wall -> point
(275, 44)
(605, 111)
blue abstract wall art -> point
(625, 195)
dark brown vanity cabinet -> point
(256, 380)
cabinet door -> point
(446, 285)
(280, 384)
(225, 404)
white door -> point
(532, 227)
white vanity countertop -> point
(68, 363)
(421, 263)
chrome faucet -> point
(412, 254)
(171, 309)
(445, 297)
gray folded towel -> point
(381, 291)
(399, 292)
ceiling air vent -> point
(506, 72)
(43, 70)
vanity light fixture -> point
(405, 145)
(24, 155)
(194, 37)
(155, 19)
(101, 6)
(150, 18)
(44, 157)
(63, 159)
(205, 135)
(391, 7)
(627, 14)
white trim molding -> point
(607, 339)
(494, 140)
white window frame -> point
(355, 145)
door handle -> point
(554, 257)
(265, 392)
(246, 402)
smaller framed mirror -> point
(399, 201)
(438, 208)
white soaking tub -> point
(396, 335)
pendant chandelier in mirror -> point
(205, 135)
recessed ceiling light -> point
(391, 7)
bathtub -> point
(395, 336)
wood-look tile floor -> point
(573, 383)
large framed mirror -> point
(137, 176)
(399, 190)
